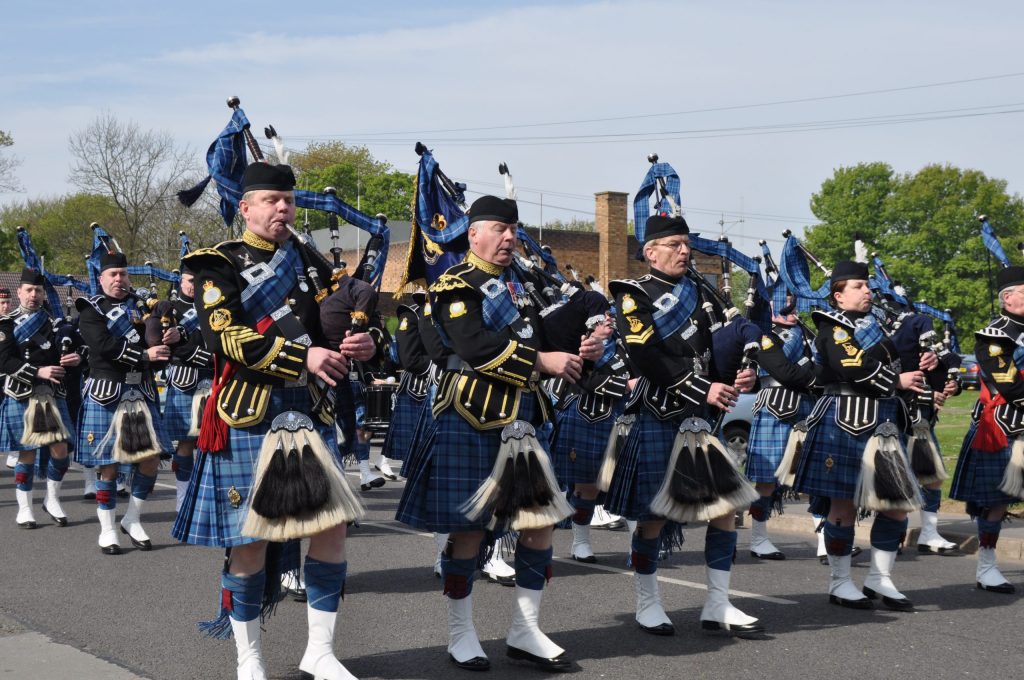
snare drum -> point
(380, 402)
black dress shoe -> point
(585, 560)
(900, 605)
(748, 631)
(559, 664)
(141, 545)
(477, 663)
(26, 525)
(823, 559)
(777, 555)
(851, 604)
(615, 525)
(856, 550)
(123, 493)
(1005, 588)
(507, 581)
(91, 496)
(663, 629)
(110, 549)
(59, 521)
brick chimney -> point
(612, 248)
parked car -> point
(969, 372)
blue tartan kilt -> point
(399, 438)
(12, 424)
(641, 467)
(979, 473)
(768, 439)
(578, 446)
(94, 422)
(830, 465)
(178, 414)
(449, 467)
(207, 516)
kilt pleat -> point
(831, 462)
(768, 439)
(578, 446)
(448, 467)
(641, 466)
(178, 414)
(12, 424)
(399, 437)
(208, 516)
(95, 420)
(978, 474)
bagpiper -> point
(486, 467)
(120, 423)
(34, 413)
(990, 469)
(671, 467)
(269, 470)
(853, 456)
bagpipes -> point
(50, 280)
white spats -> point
(649, 612)
(25, 520)
(247, 647)
(440, 540)
(524, 634)
(581, 550)
(760, 544)
(718, 613)
(131, 524)
(319, 660)
(180, 492)
(51, 503)
(841, 589)
(879, 578)
(108, 535)
(463, 643)
(929, 539)
(988, 575)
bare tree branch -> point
(8, 163)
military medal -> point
(829, 463)
(303, 286)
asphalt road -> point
(138, 610)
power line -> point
(780, 102)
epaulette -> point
(625, 286)
(92, 301)
(993, 332)
(837, 318)
(413, 309)
(447, 282)
(197, 257)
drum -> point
(380, 402)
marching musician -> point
(671, 466)
(586, 411)
(6, 305)
(34, 358)
(853, 455)
(120, 423)
(915, 337)
(991, 464)
(270, 471)
(411, 397)
(484, 467)
(784, 400)
(189, 377)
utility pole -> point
(541, 239)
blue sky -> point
(387, 74)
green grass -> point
(954, 419)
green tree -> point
(924, 226)
(8, 182)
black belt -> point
(843, 390)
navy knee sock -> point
(325, 583)
(242, 596)
(57, 467)
(887, 533)
(23, 476)
(458, 575)
(719, 548)
(142, 485)
(838, 539)
(932, 499)
(183, 467)
(584, 509)
(533, 567)
(106, 494)
(988, 532)
(645, 554)
(761, 509)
